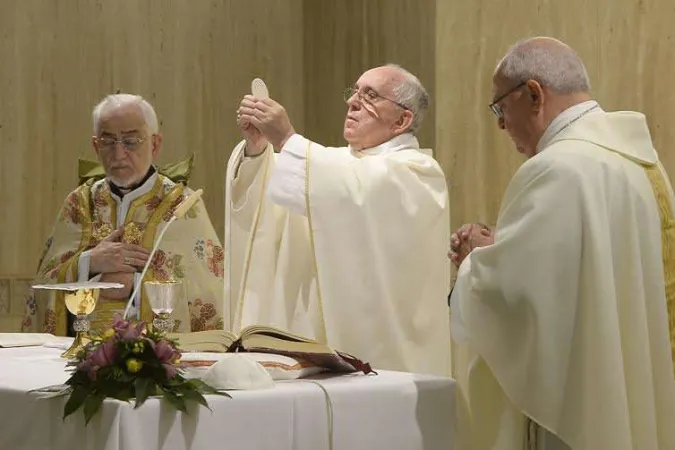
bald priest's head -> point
(385, 102)
(534, 82)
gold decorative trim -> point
(140, 201)
(112, 204)
(660, 188)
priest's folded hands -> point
(466, 238)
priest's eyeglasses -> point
(130, 143)
(369, 96)
(496, 108)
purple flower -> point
(119, 324)
(132, 331)
(166, 352)
(170, 370)
(89, 367)
(104, 355)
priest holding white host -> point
(561, 314)
(344, 245)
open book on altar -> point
(261, 339)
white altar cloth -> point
(389, 411)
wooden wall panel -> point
(636, 63)
(333, 57)
(477, 157)
(345, 38)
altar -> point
(391, 411)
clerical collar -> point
(565, 119)
(118, 191)
(401, 142)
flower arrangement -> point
(128, 361)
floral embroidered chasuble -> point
(190, 250)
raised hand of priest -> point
(125, 278)
(269, 117)
(113, 256)
(255, 141)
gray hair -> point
(118, 100)
(547, 61)
(411, 94)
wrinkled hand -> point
(255, 141)
(112, 256)
(269, 117)
(466, 238)
(126, 278)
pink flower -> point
(89, 367)
(104, 355)
(119, 324)
(170, 370)
(131, 331)
(166, 352)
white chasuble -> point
(563, 320)
(343, 246)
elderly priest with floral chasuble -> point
(106, 229)
(561, 314)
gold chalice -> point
(80, 303)
(80, 299)
(163, 296)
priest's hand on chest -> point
(466, 238)
(113, 256)
(267, 116)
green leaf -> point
(192, 395)
(177, 401)
(117, 372)
(124, 393)
(174, 382)
(204, 388)
(76, 399)
(199, 385)
(125, 377)
(78, 378)
(91, 405)
(143, 387)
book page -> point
(204, 341)
(275, 332)
(272, 340)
